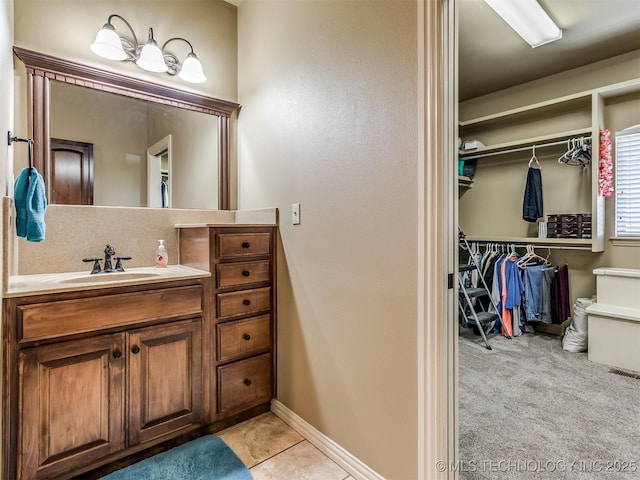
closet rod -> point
(519, 149)
(535, 245)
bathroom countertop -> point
(24, 285)
(226, 225)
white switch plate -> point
(295, 214)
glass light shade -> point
(108, 44)
(191, 70)
(151, 58)
(528, 19)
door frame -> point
(437, 329)
(154, 153)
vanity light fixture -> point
(528, 19)
(149, 56)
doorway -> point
(159, 192)
(71, 172)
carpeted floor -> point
(528, 409)
(205, 458)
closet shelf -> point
(540, 242)
(568, 101)
(465, 182)
(547, 106)
(498, 148)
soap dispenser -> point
(162, 258)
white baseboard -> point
(331, 449)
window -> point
(627, 188)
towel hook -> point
(12, 138)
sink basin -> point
(110, 277)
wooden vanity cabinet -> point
(241, 297)
(164, 379)
(72, 405)
(108, 387)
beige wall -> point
(6, 120)
(194, 168)
(558, 188)
(66, 28)
(329, 95)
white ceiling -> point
(493, 57)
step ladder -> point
(481, 315)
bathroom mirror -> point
(70, 102)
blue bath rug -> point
(205, 458)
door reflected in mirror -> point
(130, 140)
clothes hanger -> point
(578, 153)
(531, 255)
(533, 157)
(563, 158)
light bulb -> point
(151, 58)
(108, 44)
(191, 70)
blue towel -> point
(31, 205)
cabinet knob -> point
(246, 245)
(246, 302)
(246, 336)
(247, 382)
(246, 273)
(135, 349)
(116, 354)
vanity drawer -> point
(234, 274)
(243, 338)
(245, 383)
(68, 317)
(244, 302)
(238, 245)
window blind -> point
(627, 187)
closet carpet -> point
(528, 409)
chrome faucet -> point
(109, 252)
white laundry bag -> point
(575, 337)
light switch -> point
(295, 214)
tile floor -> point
(274, 451)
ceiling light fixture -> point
(528, 19)
(149, 56)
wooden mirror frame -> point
(41, 69)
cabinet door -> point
(71, 405)
(165, 379)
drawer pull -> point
(247, 382)
(116, 354)
(246, 273)
(246, 336)
(246, 245)
(135, 349)
(246, 302)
